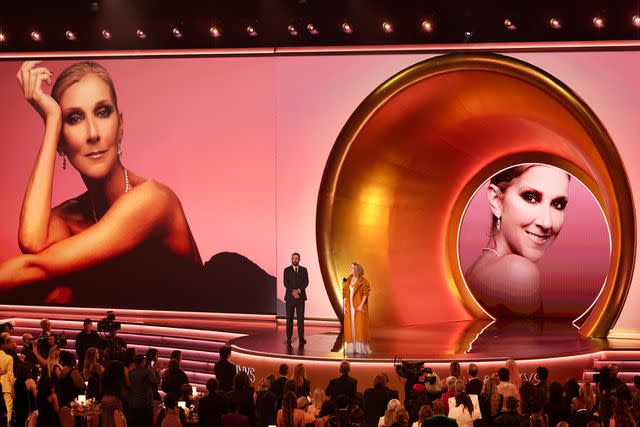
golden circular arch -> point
(410, 157)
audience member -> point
(7, 378)
(327, 411)
(266, 404)
(343, 385)
(635, 400)
(142, 380)
(439, 419)
(510, 418)
(45, 338)
(581, 415)
(277, 386)
(303, 387)
(29, 355)
(290, 415)
(490, 400)
(71, 380)
(474, 385)
(571, 390)
(25, 394)
(213, 406)
(542, 388)
(506, 389)
(86, 339)
(424, 413)
(621, 414)
(113, 387)
(176, 416)
(402, 418)
(357, 417)
(317, 400)
(557, 408)
(462, 410)
(224, 370)
(151, 361)
(48, 408)
(376, 399)
(454, 370)
(242, 396)
(173, 377)
(514, 373)
(388, 417)
(529, 403)
(451, 392)
(92, 373)
(587, 394)
(537, 420)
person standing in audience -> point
(571, 390)
(454, 370)
(86, 339)
(490, 400)
(424, 413)
(29, 355)
(303, 387)
(343, 385)
(242, 396)
(213, 406)
(296, 280)
(277, 386)
(327, 411)
(25, 394)
(474, 385)
(47, 403)
(92, 373)
(113, 387)
(635, 399)
(556, 408)
(266, 402)
(142, 380)
(71, 380)
(7, 380)
(376, 399)
(587, 394)
(581, 415)
(43, 339)
(542, 388)
(173, 377)
(439, 419)
(151, 361)
(514, 373)
(224, 370)
(506, 389)
(463, 410)
(451, 392)
(621, 414)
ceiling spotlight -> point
(312, 30)
(70, 35)
(598, 22)
(251, 31)
(3, 37)
(177, 33)
(555, 23)
(36, 36)
(636, 21)
(141, 34)
(106, 34)
(426, 26)
(468, 35)
(292, 30)
(509, 25)
(346, 28)
(387, 27)
(214, 32)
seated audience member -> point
(317, 400)
(439, 419)
(171, 413)
(242, 395)
(213, 406)
(71, 380)
(424, 413)
(327, 411)
(388, 418)
(463, 410)
(571, 390)
(303, 387)
(505, 388)
(289, 415)
(581, 415)
(376, 399)
(343, 410)
(343, 385)
(474, 385)
(173, 377)
(224, 370)
(542, 388)
(357, 417)
(537, 420)
(556, 407)
(266, 402)
(402, 418)
(510, 418)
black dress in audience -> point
(151, 359)
(376, 400)
(173, 378)
(213, 406)
(242, 397)
(71, 380)
(47, 415)
(303, 390)
(266, 411)
(24, 400)
(557, 408)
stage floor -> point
(479, 340)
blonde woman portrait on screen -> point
(355, 298)
(528, 204)
(135, 227)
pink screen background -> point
(243, 141)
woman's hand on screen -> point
(30, 79)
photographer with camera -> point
(86, 339)
(111, 344)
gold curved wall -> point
(409, 159)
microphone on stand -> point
(344, 350)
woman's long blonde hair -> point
(298, 375)
(53, 360)
(357, 269)
(318, 398)
(514, 373)
(90, 361)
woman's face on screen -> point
(533, 209)
(91, 126)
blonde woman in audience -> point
(587, 394)
(393, 406)
(316, 402)
(290, 415)
(303, 388)
(424, 413)
(490, 397)
(92, 372)
(562, 424)
(514, 373)
(402, 417)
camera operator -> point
(112, 345)
(86, 339)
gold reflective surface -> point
(409, 159)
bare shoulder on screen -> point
(508, 269)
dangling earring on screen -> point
(498, 222)
(64, 161)
(120, 151)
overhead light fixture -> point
(141, 34)
(251, 31)
(346, 28)
(636, 20)
(292, 30)
(598, 22)
(555, 23)
(177, 32)
(426, 26)
(36, 36)
(70, 35)
(214, 32)
(106, 34)
(387, 27)
(312, 30)
(510, 25)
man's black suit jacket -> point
(474, 386)
(342, 385)
(293, 280)
(225, 372)
(375, 404)
(581, 419)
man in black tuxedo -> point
(296, 280)
(474, 385)
(224, 370)
(343, 385)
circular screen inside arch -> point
(534, 242)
